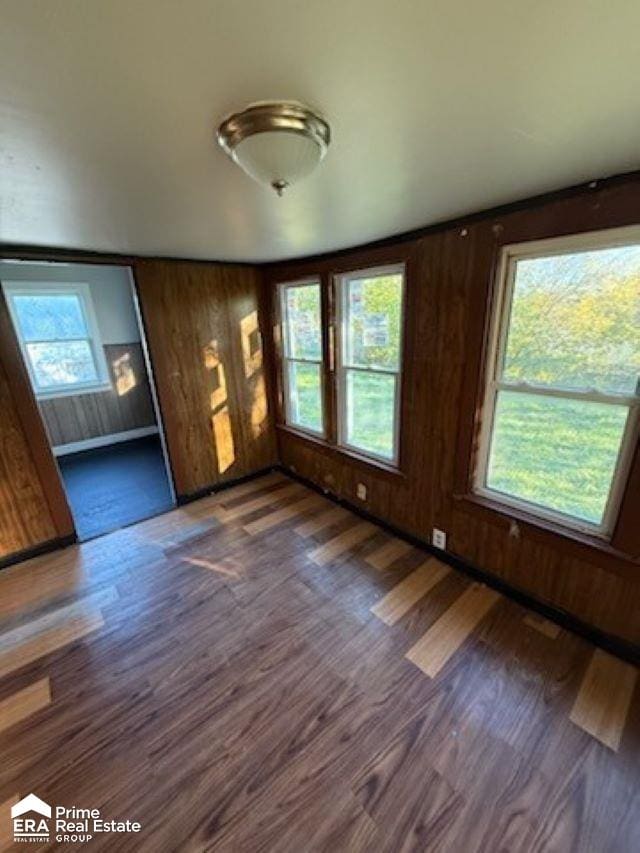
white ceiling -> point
(438, 108)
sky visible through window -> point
(56, 340)
(47, 318)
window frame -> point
(499, 324)
(342, 369)
(83, 292)
(286, 359)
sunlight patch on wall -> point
(224, 439)
(220, 417)
(217, 377)
(259, 408)
(251, 343)
(124, 374)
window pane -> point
(48, 317)
(557, 453)
(305, 396)
(303, 321)
(56, 364)
(575, 321)
(371, 412)
(373, 307)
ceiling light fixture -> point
(275, 142)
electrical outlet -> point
(361, 491)
(439, 538)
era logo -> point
(31, 828)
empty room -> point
(320, 426)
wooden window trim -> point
(287, 360)
(621, 553)
(328, 294)
(336, 451)
(339, 284)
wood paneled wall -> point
(204, 326)
(25, 519)
(33, 507)
(125, 406)
(449, 275)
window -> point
(561, 403)
(360, 375)
(301, 315)
(369, 314)
(58, 336)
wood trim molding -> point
(626, 534)
(326, 274)
(37, 550)
(214, 488)
(104, 440)
(369, 465)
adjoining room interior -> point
(320, 426)
(80, 340)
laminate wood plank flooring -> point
(6, 825)
(602, 704)
(279, 516)
(238, 511)
(544, 626)
(22, 704)
(45, 643)
(227, 496)
(457, 623)
(342, 543)
(405, 594)
(387, 554)
(214, 683)
(321, 522)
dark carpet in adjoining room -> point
(114, 486)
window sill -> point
(99, 388)
(582, 545)
(333, 450)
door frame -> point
(27, 407)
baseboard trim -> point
(64, 541)
(38, 550)
(103, 440)
(608, 642)
(181, 500)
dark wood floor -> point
(264, 671)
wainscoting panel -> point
(126, 406)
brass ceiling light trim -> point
(275, 142)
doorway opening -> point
(83, 346)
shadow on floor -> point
(114, 486)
